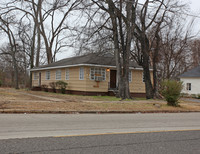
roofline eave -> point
(109, 66)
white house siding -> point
(195, 85)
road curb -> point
(87, 112)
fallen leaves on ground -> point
(12, 99)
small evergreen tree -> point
(171, 91)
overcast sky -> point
(195, 6)
(195, 10)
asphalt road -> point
(178, 142)
(48, 125)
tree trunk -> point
(155, 81)
(147, 76)
(155, 61)
(37, 23)
(38, 49)
(15, 67)
(122, 63)
(49, 54)
(32, 55)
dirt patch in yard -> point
(37, 101)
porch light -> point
(107, 70)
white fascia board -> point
(93, 65)
(48, 68)
(189, 77)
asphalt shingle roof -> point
(92, 59)
(195, 72)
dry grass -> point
(12, 99)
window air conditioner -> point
(98, 78)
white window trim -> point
(67, 70)
(35, 76)
(130, 72)
(60, 75)
(101, 72)
(188, 88)
(81, 68)
(143, 80)
(46, 75)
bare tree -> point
(6, 67)
(8, 71)
(118, 19)
(147, 17)
(41, 17)
(152, 16)
(55, 39)
(44, 14)
(155, 47)
(6, 27)
(175, 56)
(147, 20)
(194, 46)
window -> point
(143, 77)
(130, 76)
(188, 86)
(81, 74)
(47, 75)
(35, 76)
(58, 75)
(67, 74)
(97, 72)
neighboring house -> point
(191, 81)
(92, 74)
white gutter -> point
(93, 65)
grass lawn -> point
(23, 100)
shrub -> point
(62, 86)
(171, 91)
(44, 87)
(198, 96)
(185, 95)
(193, 95)
(0, 83)
(53, 86)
